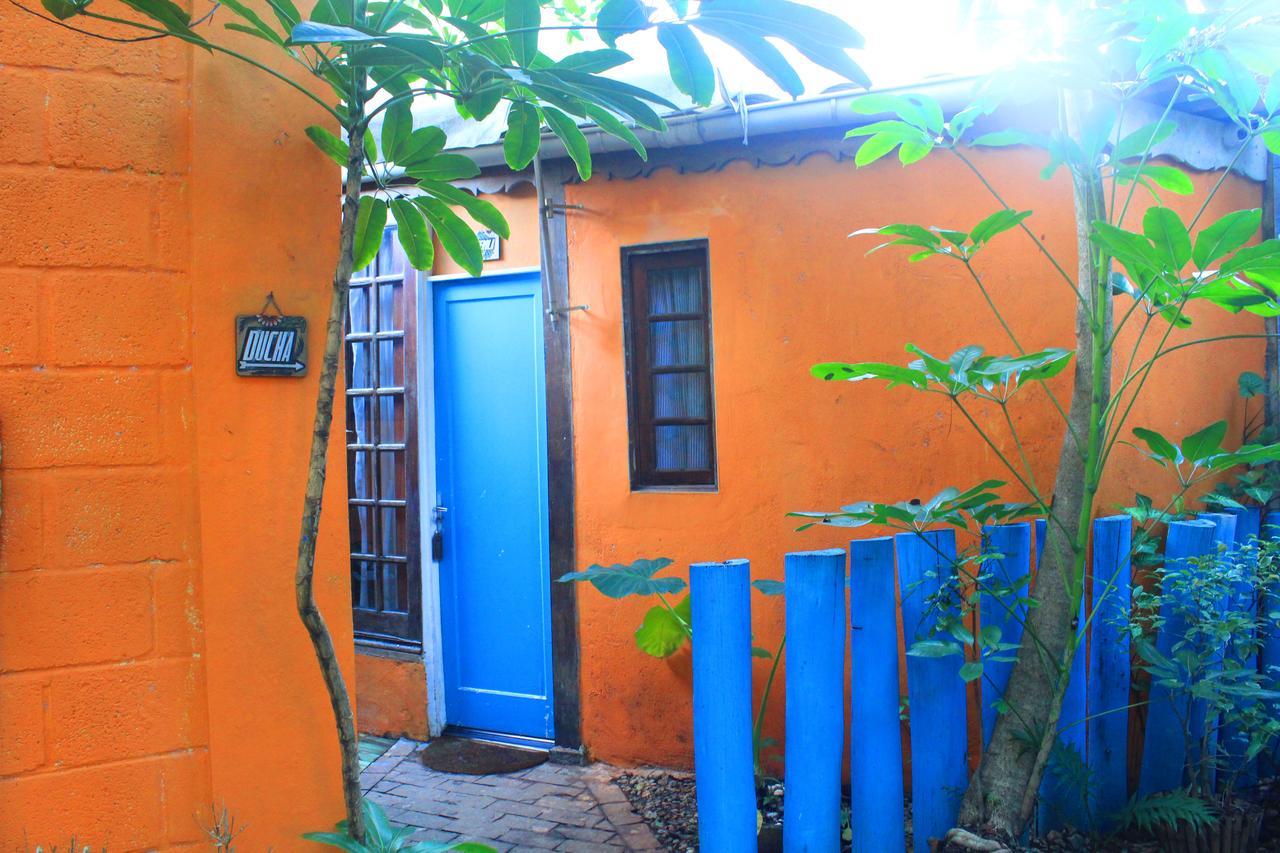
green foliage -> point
(383, 836)
(967, 371)
(1257, 482)
(978, 505)
(636, 578)
(665, 629)
(1218, 625)
(1167, 809)
(376, 58)
(1143, 272)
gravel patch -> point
(667, 803)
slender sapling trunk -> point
(304, 579)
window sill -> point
(382, 649)
(661, 490)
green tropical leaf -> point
(663, 633)
(893, 373)
(610, 124)
(1204, 443)
(1251, 384)
(332, 146)
(371, 221)
(456, 237)
(397, 125)
(760, 53)
(934, 649)
(480, 210)
(524, 135)
(971, 670)
(1141, 140)
(594, 61)
(1002, 139)
(523, 15)
(574, 142)
(691, 70)
(617, 18)
(172, 16)
(258, 25)
(1170, 178)
(1161, 448)
(422, 144)
(444, 167)
(411, 230)
(64, 9)
(1166, 232)
(1225, 236)
(621, 580)
(997, 223)
(769, 587)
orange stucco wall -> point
(789, 290)
(391, 695)
(150, 658)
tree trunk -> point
(1002, 794)
(304, 579)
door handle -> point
(437, 537)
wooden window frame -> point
(381, 629)
(641, 423)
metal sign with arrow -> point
(271, 344)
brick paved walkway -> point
(548, 807)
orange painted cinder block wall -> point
(789, 290)
(150, 658)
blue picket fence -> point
(1094, 726)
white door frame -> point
(428, 494)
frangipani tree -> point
(1139, 275)
(371, 58)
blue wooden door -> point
(491, 458)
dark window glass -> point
(386, 580)
(667, 314)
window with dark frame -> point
(382, 469)
(667, 318)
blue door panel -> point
(492, 473)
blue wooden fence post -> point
(936, 694)
(1011, 570)
(1164, 750)
(1248, 527)
(1109, 676)
(875, 731)
(1061, 796)
(720, 596)
(815, 699)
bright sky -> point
(906, 41)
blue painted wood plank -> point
(936, 694)
(1248, 527)
(875, 731)
(1107, 697)
(815, 699)
(721, 621)
(1008, 551)
(1164, 750)
(1062, 796)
